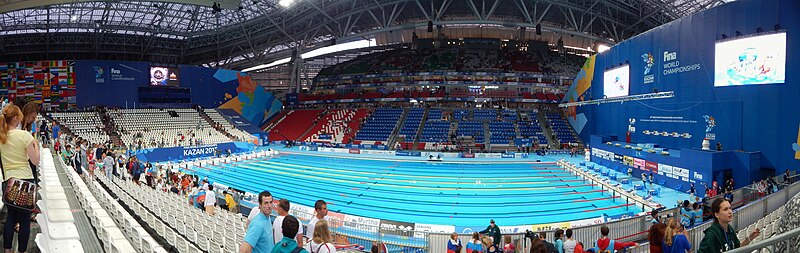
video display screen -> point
(163, 76)
(616, 82)
(753, 60)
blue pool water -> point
(461, 194)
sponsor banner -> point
(336, 219)
(549, 227)
(302, 213)
(487, 155)
(522, 155)
(354, 151)
(514, 229)
(469, 229)
(602, 154)
(639, 163)
(341, 150)
(467, 155)
(451, 155)
(361, 224)
(664, 170)
(396, 227)
(430, 228)
(586, 222)
(680, 174)
(697, 176)
(407, 153)
(627, 160)
(651, 166)
(377, 152)
(325, 149)
(324, 137)
(507, 155)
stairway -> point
(420, 128)
(451, 132)
(335, 124)
(547, 130)
(396, 131)
(322, 116)
(214, 125)
(110, 128)
(64, 128)
(487, 135)
(271, 125)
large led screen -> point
(616, 82)
(753, 60)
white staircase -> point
(336, 126)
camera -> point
(531, 235)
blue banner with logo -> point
(178, 153)
(407, 153)
(525, 142)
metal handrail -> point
(773, 241)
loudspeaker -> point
(430, 26)
(538, 29)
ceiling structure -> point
(238, 34)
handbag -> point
(19, 193)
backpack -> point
(201, 198)
(608, 249)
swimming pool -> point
(446, 193)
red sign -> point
(467, 155)
(652, 167)
(355, 151)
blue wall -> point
(761, 118)
(119, 83)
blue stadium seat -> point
(379, 125)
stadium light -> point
(74, 18)
(285, 3)
(602, 48)
(321, 51)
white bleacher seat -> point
(62, 246)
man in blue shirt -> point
(56, 130)
(258, 238)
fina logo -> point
(673, 66)
(99, 72)
(649, 61)
(711, 123)
(697, 176)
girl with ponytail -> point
(17, 149)
(675, 239)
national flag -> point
(67, 93)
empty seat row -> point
(59, 233)
(117, 230)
